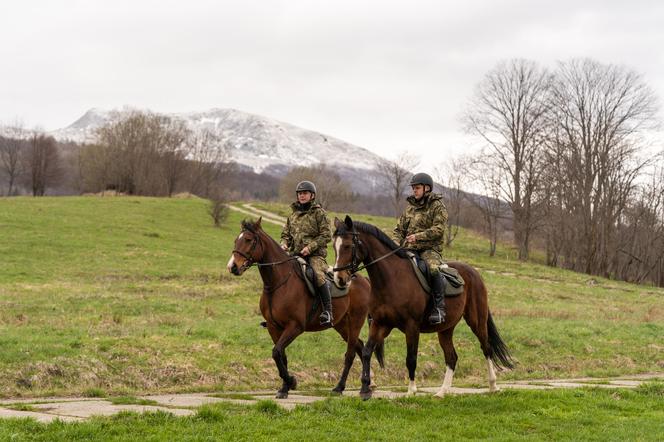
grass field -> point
(592, 414)
(131, 294)
(125, 296)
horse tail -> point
(380, 348)
(500, 354)
(380, 354)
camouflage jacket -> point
(308, 227)
(427, 219)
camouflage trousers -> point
(320, 266)
(433, 260)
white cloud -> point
(385, 75)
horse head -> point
(346, 249)
(248, 248)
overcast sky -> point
(388, 76)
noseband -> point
(353, 266)
(249, 258)
(251, 261)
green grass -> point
(22, 407)
(128, 296)
(588, 414)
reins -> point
(250, 260)
(352, 266)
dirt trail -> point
(253, 212)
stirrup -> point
(326, 318)
(437, 316)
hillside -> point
(258, 143)
(127, 294)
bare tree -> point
(640, 235)
(598, 115)
(485, 183)
(10, 161)
(150, 154)
(217, 207)
(508, 111)
(488, 181)
(173, 150)
(395, 175)
(452, 173)
(42, 163)
(332, 192)
(209, 162)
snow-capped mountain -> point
(263, 144)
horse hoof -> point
(494, 389)
(365, 395)
(441, 394)
(336, 391)
(373, 386)
(282, 395)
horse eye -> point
(247, 240)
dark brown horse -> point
(399, 301)
(287, 305)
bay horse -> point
(399, 301)
(287, 305)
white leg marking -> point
(492, 376)
(337, 248)
(447, 382)
(412, 388)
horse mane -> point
(374, 231)
(251, 226)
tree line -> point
(568, 167)
(570, 152)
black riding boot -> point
(438, 292)
(326, 317)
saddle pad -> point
(454, 286)
(335, 291)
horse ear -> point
(337, 222)
(349, 222)
(258, 223)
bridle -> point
(249, 257)
(353, 266)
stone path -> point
(76, 409)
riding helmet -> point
(422, 178)
(304, 186)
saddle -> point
(310, 278)
(455, 282)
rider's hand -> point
(284, 247)
(411, 238)
(305, 251)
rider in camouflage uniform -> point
(307, 232)
(422, 227)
